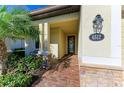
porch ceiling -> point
(69, 27)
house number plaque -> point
(97, 28)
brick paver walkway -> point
(63, 77)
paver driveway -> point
(63, 77)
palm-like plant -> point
(14, 24)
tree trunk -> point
(3, 57)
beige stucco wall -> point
(62, 46)
(54, 39)
(122, 29)
(122, 46)
(108, 51)
(95, 48)
(57, 36)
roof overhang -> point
(122, 11)
(53, 11)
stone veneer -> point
(99, 77)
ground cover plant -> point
(20, 70)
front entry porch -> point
(59, 38)
(64, 38)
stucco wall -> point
(96, 48)
(62, 46)
(54, 42)
(57, 37)
(29, 45)
(122, 28)
(11, 44)
(122, 45)
(107, 51)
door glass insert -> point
(71, 44)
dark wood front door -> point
(71, 44)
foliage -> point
(12, 61)
(20, 73)
(16, 23)
(15, 80)
(25, 64)
(30, 63)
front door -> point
(71, 44)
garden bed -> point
(20, 71)
(27, 71)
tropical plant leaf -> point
(16, 24)
(3, 9)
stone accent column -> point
(46, 37)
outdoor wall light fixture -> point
(97, 28)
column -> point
(80, 38)
(41, 38)
(46, 37)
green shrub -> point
(21, 67)
(12, 61)
(33, 66)
(21, 73)
(15, 80)
(29, 63)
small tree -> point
(14, 24)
